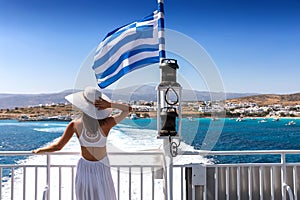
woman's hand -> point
(102, 104)
(36, 151)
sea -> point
(141, 134)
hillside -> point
(270, 99)
(47, 111)
(62, 109)
(135, 93)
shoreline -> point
(50, 112)
(187, 116)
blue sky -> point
(254, 43)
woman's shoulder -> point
(77, 119)
(76, 125)
(76, 122)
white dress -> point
(93, 178)
(94, 181)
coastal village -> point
(144, 109)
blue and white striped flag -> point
(127, 48)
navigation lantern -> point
(169, 100)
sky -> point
(255, 44)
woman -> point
(93, 176)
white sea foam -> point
(50, 130)
(130, 139)
(32, 124)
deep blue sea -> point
(200, 133)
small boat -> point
(240, 119)
(262, 121)
(290, 123)
(133, 116)
(191, 119)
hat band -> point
(87, 99)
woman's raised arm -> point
(124, 108)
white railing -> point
(138, 180)
(52, 180)
(247, 180)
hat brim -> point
(78, 100)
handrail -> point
(244, 152)
(159, 152)
(28, 153)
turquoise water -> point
(230, 135)
(25, 136)
(253, 135)
(246, 135)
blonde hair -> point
(92, 124)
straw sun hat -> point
(84, 100)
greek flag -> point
(127, 48)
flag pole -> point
(161, 29)
(168, 160)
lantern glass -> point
(169, 109)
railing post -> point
(283, 176)
(48, 177)
(188, 182)
(12, 182)
(168, 171)
(0, 182)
